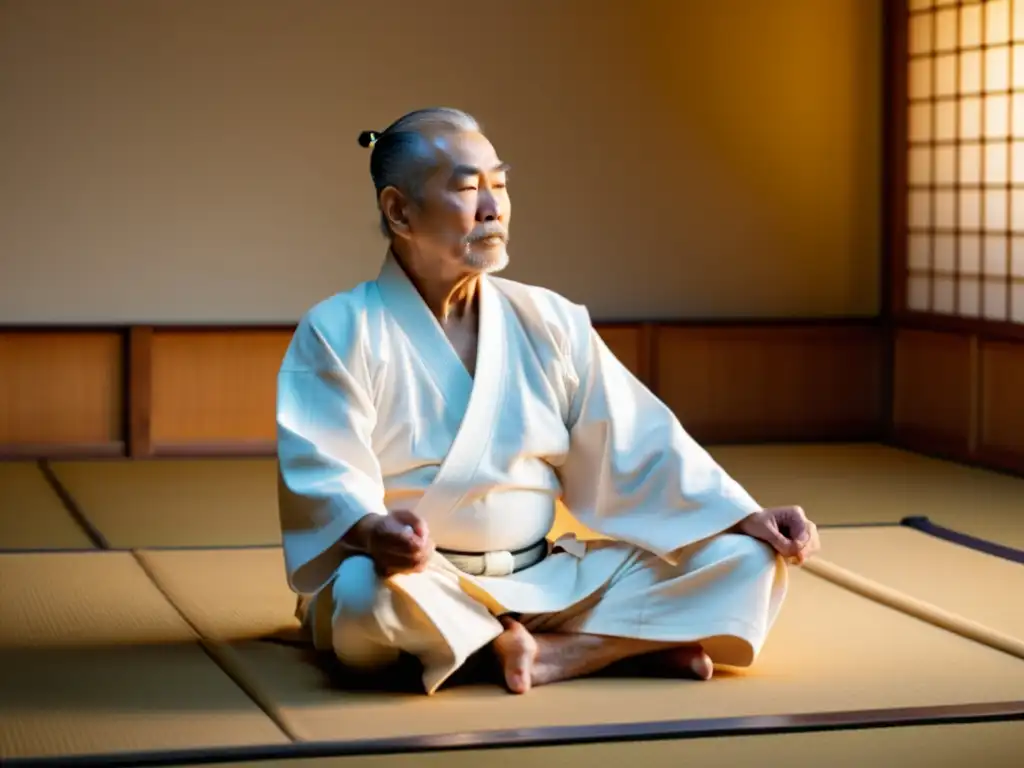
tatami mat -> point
(248, 598)
(979, 587)
(94, 660)
(992, 745)
(831, 651)
(31, 513)
(221, 502)
(177, 502)
(866, 483)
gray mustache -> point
(487, 234)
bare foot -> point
(686, 660)
(517, 651)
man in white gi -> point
(430, 420)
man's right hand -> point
(397, 542)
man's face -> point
(464, 218)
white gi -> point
(376, 412)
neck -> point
(448, 296)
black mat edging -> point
(955, 714)
(95, 535)
(924, 525)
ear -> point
(395, 207)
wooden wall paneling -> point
(1001, 405)
(214, 390)
(631, 344)
(935, 392)
(61, 393)
(211, 391)
(749, 383)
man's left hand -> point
(787, 529)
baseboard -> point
(199, 449)
(30, 452)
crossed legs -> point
(715, 606)
(529, 660)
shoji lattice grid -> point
(965, 168)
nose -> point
(487, 206)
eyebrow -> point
(472, 170)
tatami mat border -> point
(556, 736)
(71, 507)
(924, 525)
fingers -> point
(407, 518)
(766, 526)
(396, 564)
(813, 543)
(793, 521)
(781, 543)
(808, 546)
(403, 559)
(401, 544)
(797, 536)
(405, 527)
(405, 543)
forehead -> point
(464, 150)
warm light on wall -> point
(965, 168)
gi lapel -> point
(470, 447)
(477, 399)
(454, 480)
(427, 336)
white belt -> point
(499, 563)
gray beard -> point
(488, 262)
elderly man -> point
(430, 420)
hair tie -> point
(368, 139)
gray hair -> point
(400, 155)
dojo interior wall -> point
(195, 161)
(181, 181)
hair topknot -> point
(366, 138)
(401, 156)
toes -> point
(687, 661)
(701, 666)
(519, 666)
(516, 650)
(518, 678)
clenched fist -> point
(398, 542)
(786, 529)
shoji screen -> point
(964, 253)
